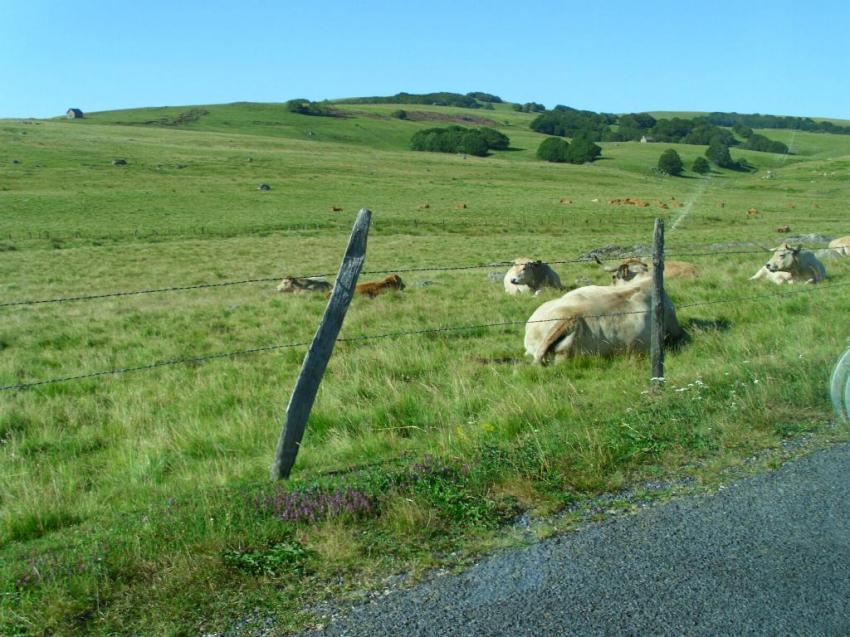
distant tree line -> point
(757, 120)
(564, 121)
(457, 139)
(529, 107)
(431, 99)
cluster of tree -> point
(457, 139)
(529, 107)
(569, 122)
(485, 97)
(580, 151)
(432, 99)
(306, 107)
(756, 120)
(633, 126)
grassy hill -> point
(139, 503)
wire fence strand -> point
(397, 334)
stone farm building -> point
(74, 113)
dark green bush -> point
(553, 149)
(457, 139)
(701, 166)
(582, 150)
(718, 153)
(670, 163)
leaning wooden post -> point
(313, 368)
(657, 310)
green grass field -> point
(140, 504)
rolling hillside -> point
(138, 502)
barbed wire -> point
(396, 334)
(588, 258)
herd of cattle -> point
(601, 319)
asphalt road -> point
(767, 556)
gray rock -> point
(264, 187)
(809, 238)
(827, 253)
(119, 162)
(617, 252)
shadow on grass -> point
(709, 325)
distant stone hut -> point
(74, 113)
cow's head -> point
(395, 281)
(783, 258)
(528, 273)
(287, 285)
(626, 271)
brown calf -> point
(374, 288)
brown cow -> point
(374, 288)
(424, 206)
(461, 206)
(336, 208)
(566, 200)
(752, 212)
(632, 267)
(784, 229)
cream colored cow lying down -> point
(841, 245)
(597, 320)
(791, 265)
(530, 277)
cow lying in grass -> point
(297, 285)
(597, 320)
(374, 288)
(791, 265)
(630, 268)
(530, 277)
(841, 246)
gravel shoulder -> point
(766, 556)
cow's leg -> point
(559, 330)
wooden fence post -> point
(316, 360)
(657, 309)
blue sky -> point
(780, 57)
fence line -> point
(396, 334)
(456, 268)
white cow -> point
(597, 320)
(791, 265)
(530, 277)
(841, 245)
